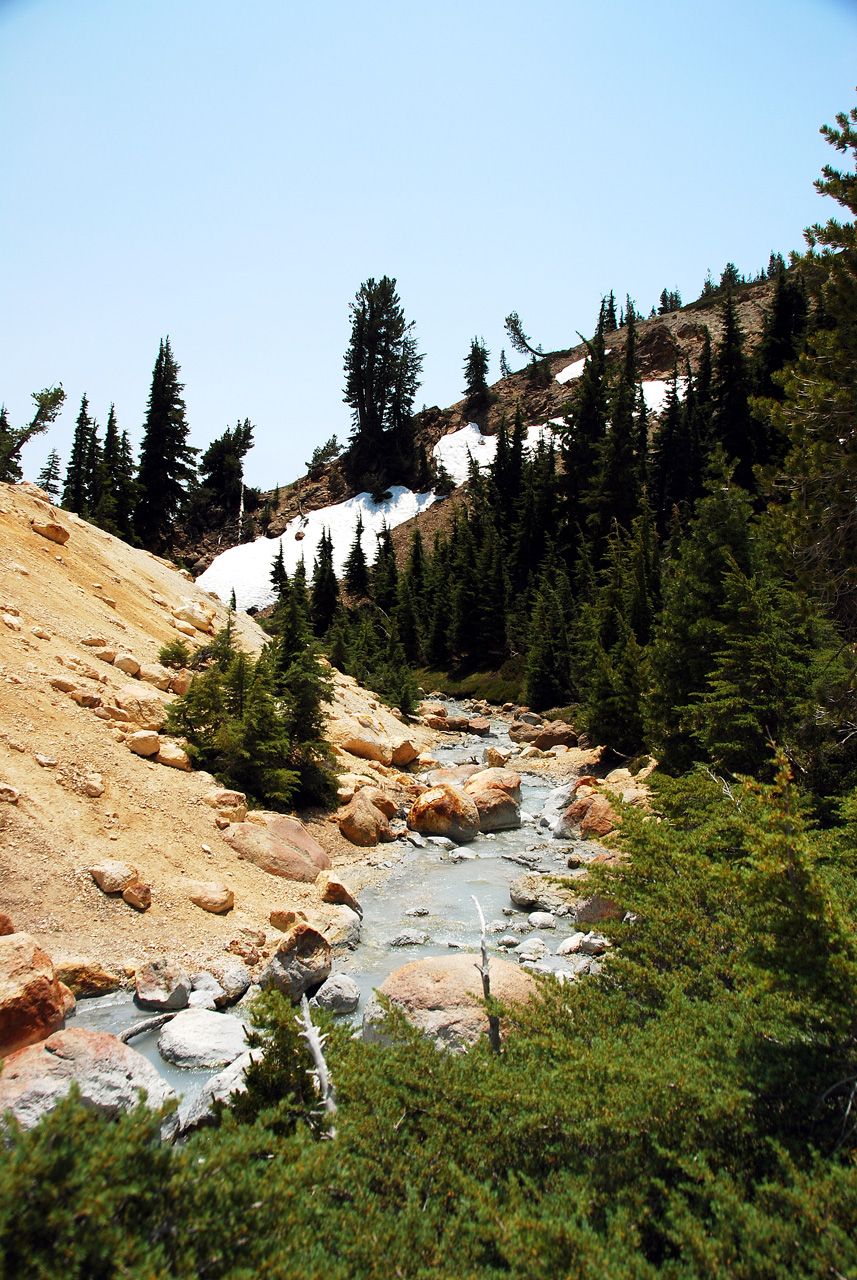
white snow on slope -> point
(655, 393)
(571, 371)
(455, 450)
(247, 568)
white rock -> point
(339, 994)
(570, 945)
(541, 920)
(197, 1038)
(198, 1111)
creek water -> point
(440, 883)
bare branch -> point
(315, 1043)
(493, 1020)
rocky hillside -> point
(87, 775)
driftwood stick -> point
(493, 1020)
(315, 1042)
(150, 1024)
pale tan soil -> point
(149, 815)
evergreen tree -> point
(548, 677)
(608, 322)
(49, 476)
(325, 588)
(221, 478)
(505, 371)
(356, 570)
(279, 577)
(94, 471)
(125, 490)
(382, 370)
(732, 424)
(75, 490)
(166, 458)
(48, 404)
(385, 575)
(476, 377)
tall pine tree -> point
(166, 459)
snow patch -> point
(655, 393)
(456, 450)
(571, 371)
(246, 569)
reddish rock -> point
(109, 1075)
(556, 734)
(261, 847)
(480, 725)
(595, 909)
(293, 832)
(6, 925)
(138, 895)
(442, 997)
(32, 1005)
(520, 731)
(501, 779)
(445, 810)
(457, 774)
(451, 724)
(333, 890)
(362, 822)
(301, 961)
(593, 815)
(9, 794)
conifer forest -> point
(678, 585)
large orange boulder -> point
(445, 810)
(442, 997)
(591, 815)
(502, 779)
(32, 1003)
(363, 821)
(260, 846)
(497, 794)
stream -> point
(435, 885)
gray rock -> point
(339, 994)
(409, 938)
(555, 805)
(508, 941)
(569, 946)
(532, 949)
(199, 1038)
(414, 838)
(234, 979)
(541, 920)
(417, 911)
(203, 999)
(594, 944)
(442, 842)
(198, 1111)
(162, 984)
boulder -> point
(409, 938)
(362, 736)
(480, 725)
(335, 891)
(555, 734)
(362, 822)
(442, 997)
(145, 742)
(199, 1038)
(432, 709)
(127, 662)
(595, 908)
(501, 779)
(301, 962)
(405, 751)
(174, 756)
(6, 925)
(457, 774)
(522, 731)
(138, 895)
(231, 805)
(498, 811)
(445, 810)
(113, 876)
(198, 615)
(162, 984)
(153, 673)
(32, 1005)
(534, 892)
(447, 723)
(106, 653)
(496, 758)
(293, 832)
(541, 920)
(198, 1111)
(50, 529)
(590, 815)
(9, 794)
(339, 994)
(555, 806)
(211, 895)
(233, 977)
(144, 709)
(85, 977)
(340, 925)
(261, 847)
(84, 698)
(180, 682)
(108, 1073)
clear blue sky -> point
(228, 174)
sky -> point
(228, 174)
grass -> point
(505, 685)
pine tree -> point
(279, 577)
(732, 424)
(476, 377)
(75, 490)
(325, 588)
(125, 490)
(385, 575)
(49, 403)
(49, 476)
(505, 371)
(356, 570)
(166, 458)
(382, 369)
(608, 322)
